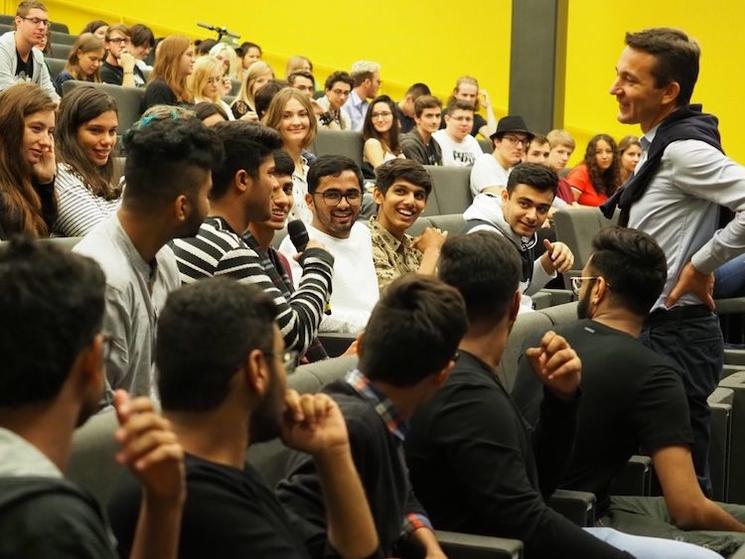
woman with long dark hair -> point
(380, 131)
(596, 179)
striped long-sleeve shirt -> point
(217, 250)
(78, 209)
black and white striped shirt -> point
(217, 250)
(78, 209)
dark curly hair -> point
(390, 140)
(605, 182)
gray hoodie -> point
(9, 62)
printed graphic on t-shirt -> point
(463, 157)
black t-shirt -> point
(405, 123)
(48, 517)
(115, 75)
(633, 400)
(25, 70)
(158, 92)
(229, 513)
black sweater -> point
(478, 468)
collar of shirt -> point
(148, 270)
(385, 408)
(389, 239)
(355, 99)
(19, 458)
(645, 142)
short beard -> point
(583, 306)
(267, 416)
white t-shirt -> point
(458, 154)
(354, 284)
(487, 172)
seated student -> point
(596, 179)
(143, 42)
(265, 94)
(459, 148)
(467, 89)
(28, 204)
(490, 171)
(241, 193)
(303, 81)
(517, 215)
(204, 83)
(174, 63)
(537, 150)
(202, 47)
(298, 63)
(51, 308)
(337, 88)
(243, 106)
(401, 191)
(167, 173)
(366, 77)
(209, 113)
(84, 61)
(629, 154)
(222, 381)
(85, 139)
(335, 199)
(418, 321)
(380, 133)
(632, 399)
(19, 61)
(474, 465)
(98, 27)
(260, 234)
(562, 145)
(231, 65)
(291, 114)
(419, 144)
(119, 66)
(405, 110)
(249, 53)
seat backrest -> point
(60, 38)
(452, 223)
(59, 27)
(5, 27)
(576, 227)
(527, 326)
(561, 314)
(487, 146)
(59, 50)
(56, 65)
(451, 188)
(128, 100)
(339, 142)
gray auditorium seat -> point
(59, 27)
(339, 142)
(736, 479)
(526, 326)
(235, 87)
(487, 146)
(720, 404)
(576, 227)
(452, 223)
(128, 100)
(451, 188)
(56, 65)
(59, 50)
(59, 38)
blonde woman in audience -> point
(298, 64)
(381, 132)
(83, 64)
(467, 89)
(629, 154)
(244, 105)
(204, 82)
(291, 114)
(232, 67)
(85, 141)
(174, 63)
(27, 165)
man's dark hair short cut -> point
(161, 156)
(338, 77)
(417, 90)
(284, 166)
(413, 332)
(426, 102)
(247, 145)
(142, 35)
(406, 169)
(205, 109)
(676, 55)
(205, 333)
(264, 95)
(486, 269)
(633, 264)
(456, 104)
(51, 307)
(535, 175)
(303, 74)
(331, 166)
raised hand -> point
(556, 364)
(312, 423)
(149, 448)
(45, 169)
(557, 258)
(431, 238)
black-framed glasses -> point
(333, 197)
(120, 40)
(516, 140)
(36, 21)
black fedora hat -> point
(512, 124)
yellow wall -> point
(409, 39)
(595, 40)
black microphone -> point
(219, 30)
(298, 234)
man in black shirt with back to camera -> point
(633, 399)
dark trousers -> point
(692, 338)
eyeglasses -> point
(214, 81)
(382, 114)
(289, 360)
(333, 197)
(577, 282)
(516, 140)
(37, 21)
(119, 40)
(341, 92)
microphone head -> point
(298, 234)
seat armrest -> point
(635, 478)
(471, 546)
(577, 506)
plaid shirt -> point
(397, 427)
